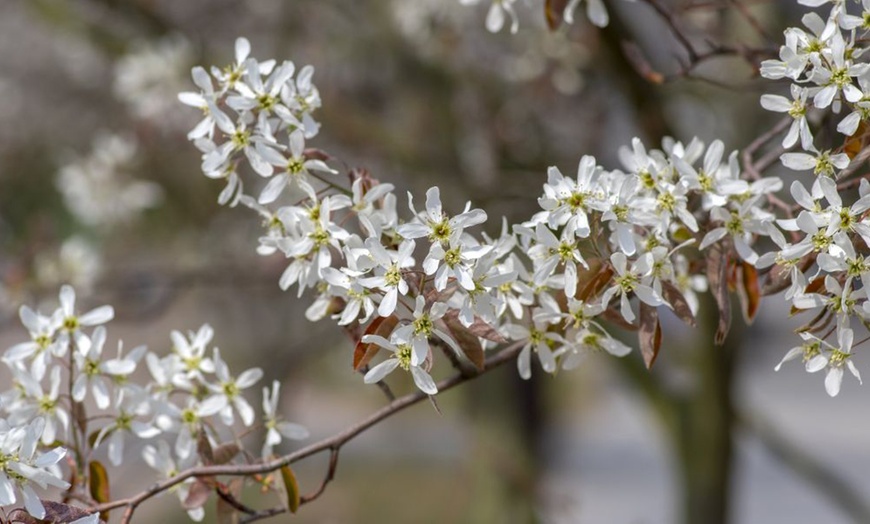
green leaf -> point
(98, 480)
(291, 489)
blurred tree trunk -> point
(704, 437)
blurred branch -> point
(807, 466)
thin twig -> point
(753, 170)
(336, 441)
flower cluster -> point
(823, 267)
(412, 286)
(87, 398)
(631, 229)
(21, 468)
(97, 188)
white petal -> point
(377, 373)
(833, 381)
(423, 381)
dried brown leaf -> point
(678, 302)
(225, 452)
(649, 334)
(717, 276)
(465, 339)
(364, 352)
(751, 294)
(554, 11)
(197, 495)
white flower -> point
(403, 357)
(296, 169)
(201, 101)
(91, 370)
(72, 322)
(358, 299)
(227, 393)
(550, 252)
(98, 189)
(797, 109)
(189, 356)
(125, 422)
(390, 277)
(810, 349)
(435, 224)
(457, 261)
(631, 280)
(741, 225)
(538, 340)
(275, 427)
(20, 467)
(417, 333)
(835, 360)
(588, 341)
(822, 163)
(161, 460)
(42, 346)
(36, 402)
(568, 202)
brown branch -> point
(751, 20)
(849, 184)
(671, 20)
(230, 499)
(332, 443)
(753, 171)
(263, 514)
(808, 466)
(330, 474)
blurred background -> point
(100, 188)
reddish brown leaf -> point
(315, 154)
(600, 277)
(467, 341)
(614, 317)
(479, 328)
(678, 302)
(855, 143)
(751, 295)
(197, 496)
(98, 483)
(59, 513)
(778, 279)
(649, 334)
(363, 352)
(225, 452)
(637, 59)
(203, 447)
(779, 276)
(732, 268)
(554, 11)
(717, 276)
